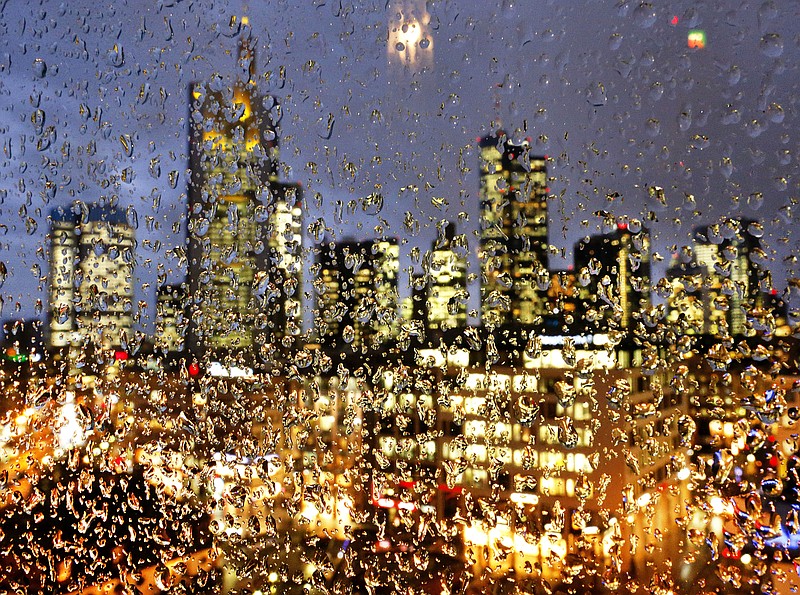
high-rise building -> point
(513, 228)
(278, 285)
(244, 225)
(614, 275)
(445, 304)
(358, 301)
(717, 283)
(91, 277)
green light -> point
(697, 39)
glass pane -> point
(399, 297)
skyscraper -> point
(719, 282)
(614, 275)
(91, 273)
(513, 228)
(244, 224)
(358, 298)
(445, 266)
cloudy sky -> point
(94, 103)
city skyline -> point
(145, 178)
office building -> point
(171, 319)
(716, 284)
(614, 277)
(91, 277)
(513, 231)
(358, 297)
(244, 224)
(445, 266)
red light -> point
(194, 369)
(456, 490)
(674, 20)
(771, 438)
(120, 356)
(383, 545)
(622, 226)
(773, 461)
(773, 292)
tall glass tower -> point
(513, 228)
(244, 225)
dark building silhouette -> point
(358, 298)
(614, 277)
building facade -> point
(445, 266)
(91, 287)
(244, 224)
(513, 231)
(716, 284)
(358, 297)
(614, 275)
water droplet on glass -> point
(644, 15)
(39, 68)
(567, 434)
(775, 113)
(127, 144)
(771, 45)
(116, 56)
(755, 200)
(684, 120)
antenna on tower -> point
(497, 123)
(247, 50)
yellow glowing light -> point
(243, 99)
(718, 505)
(409, 42)
(475, 535)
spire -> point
(247, 51)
